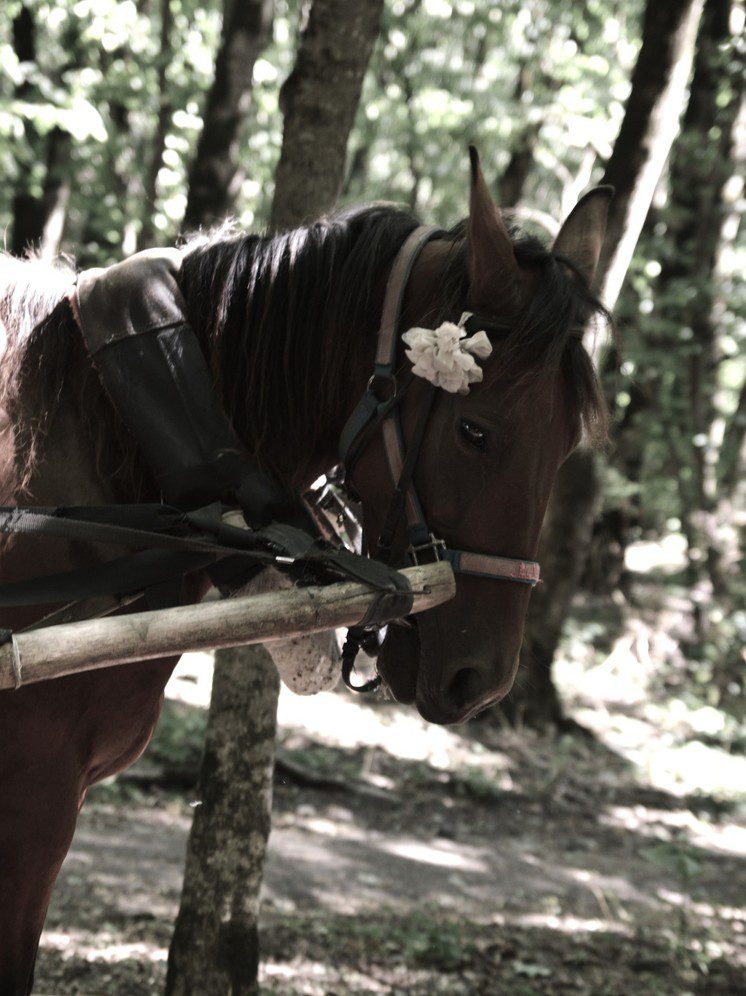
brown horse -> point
(288, 325)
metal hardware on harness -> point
(436, 546)
(355, 640)
(378, 378)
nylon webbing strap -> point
(168, 556)
(44, 522)
(120, 576)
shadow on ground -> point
(530, 866)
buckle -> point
(418, 555)
(391, 389)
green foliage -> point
(443, 74)
(676, 857)
(177, 744)
(425, 938)
(449, 73)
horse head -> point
(487, 456)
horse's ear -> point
(494, 274)
(582, 235)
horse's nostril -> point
(464, 687)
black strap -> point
(205, 539)
(355, 639)
(114, 577)
(396, 506)
(70, 524)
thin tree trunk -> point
(412, 144)
(215, 947)
(701, 164)
(319, 100)
(732, 456)
(55, 193)
(39, 221)
(516, 173)
(214, 177)
(648, 129)
(147, 230)
(647, 132)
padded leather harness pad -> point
(132, 318)
(137, 296)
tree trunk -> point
(701, 164)
(147, 230)
(732, 457)
(645, 137)
(319, 100)
(516, 173)
(38, 221)
(647, 132)
(55, 192)
(215, 947)
(214, 177)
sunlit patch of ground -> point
(519, 865)
(664, 740)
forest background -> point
(127, 124)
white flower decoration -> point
(446, 356)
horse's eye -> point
(474, 435)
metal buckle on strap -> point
(436, 547)
(380, 378)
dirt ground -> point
(521, 865)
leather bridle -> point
(379, 409)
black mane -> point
(285, 318)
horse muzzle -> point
(447, 688)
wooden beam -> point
(54, 651)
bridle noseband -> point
(380, 409)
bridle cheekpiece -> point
(447, 359)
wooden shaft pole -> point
(42, 654)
